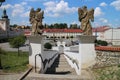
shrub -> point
(47, 46)
(100, 42)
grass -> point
(11, 62)
(108, 73)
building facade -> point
(112, 36)
(62, 33)
(5, 31)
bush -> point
(100, 42)
(47, 46)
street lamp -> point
(1, 1)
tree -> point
(47, 46)
(58, 26)
(14, 25)
(17, 42)
(73, 26)
(1, 52)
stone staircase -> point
(60, 70)
(61, 66)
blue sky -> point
(107, 12)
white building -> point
(99, 32)
(5, 31)
(62, 33)
(112, 36)
(103, 33)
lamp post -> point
(1, 1)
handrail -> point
(73, 60)
(43, 61)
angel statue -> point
(36, 18)
(85, 16)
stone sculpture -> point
(85, 16)
(36, 18)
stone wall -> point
(107, 58)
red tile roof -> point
(100, 29)
(63, 30)
(107, 48)
(27, 32)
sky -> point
(106, 12)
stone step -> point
(61, 62)
(53, 77)
(65, 70)
(60, 69)
(61, 65)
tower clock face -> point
(2, 25)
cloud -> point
(35, 0)
(103, 20)
(20, 9)
(7, 6)
(57, 9)
(103, 4)
(16, 9)
(116, 4)
(98, 12)
(23, 3)
(32, 0)
(26, 14)
(75, 22)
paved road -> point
(6, 47)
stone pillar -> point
(36, 47)
(87, 50)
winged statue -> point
(36, 18)
(85, 17)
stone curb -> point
(25, 74)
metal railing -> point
(44, 62)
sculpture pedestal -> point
(87, 50)
(36, 47)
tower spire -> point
(4, 16)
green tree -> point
(1, 52)
(73, 26)
(47, 46)
(14, 25)
(17, 42)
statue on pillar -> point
(85, 16)
(36, 18)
